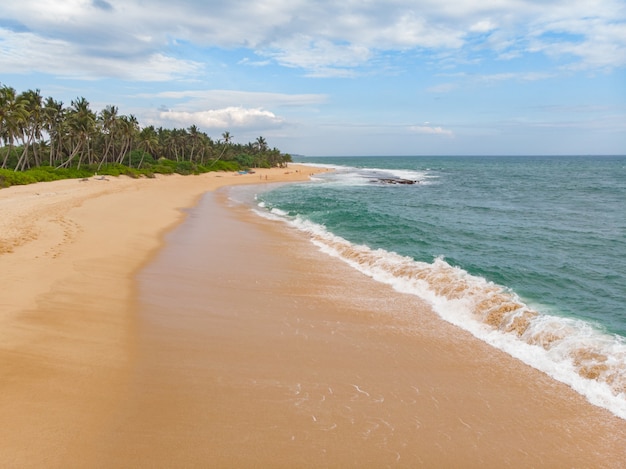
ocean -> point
(526, 253)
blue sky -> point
(356, 77)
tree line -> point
(42, 132)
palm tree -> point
(76, 133)
(227, 138)
(261, 144)
(108, 122)
(195, 137)
(31, 126)
(128, 129)
(207, 148)
(173, 140)
(12, 118)
(81, 124)
(147, 141)
(163, 136)
(53, 115)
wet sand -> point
(241, 345)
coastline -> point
(69, 251)
(94, 378)
(278, 356)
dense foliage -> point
(41, 140)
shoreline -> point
(93, 379)
(69, 251)
(273, 363)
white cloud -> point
(482, 26)
(429, 130)
(599, 44)
(224, 119)
(321, 57)
(27, 52)
(443, 88)
(509, 76)
(323, 38)
(214, 99)
(409, 29)
(255, 63)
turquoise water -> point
(527, 253)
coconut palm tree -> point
(227, 139)
(195, 138)
(129, 126)
(174, 142)
(108, 123)
(30, 127)
(77, 134)
(147, 141)
(261, 144)
(12, 118)
(53, 115)
(207, 148)
(81, 122)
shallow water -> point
(528, 253)
(257, 350)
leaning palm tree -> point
(147, 142)
(171, 140)
(81, 123)
(31, 127)
(206, 148)
(12, 118)
(128, 129)
(227, 139)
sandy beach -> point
(129, 339)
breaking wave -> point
(570, 350)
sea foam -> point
(571, 351)
(352, 176)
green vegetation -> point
(43, 140)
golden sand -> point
(254, 350)
(67, 327)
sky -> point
(338, 78)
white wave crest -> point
(592, 362)
(353, 176)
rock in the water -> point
(397, 181)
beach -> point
(147, 325)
